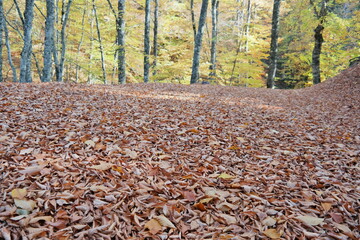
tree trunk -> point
(49, 44)
(274, 44)
(316, 54)
(147, 42)
(121, 42)
(100, 44)
(319, 39)
(248, 22)
(214, 20)
(155, 43)
(193, 23)
(25, 61)
(198, 42)
(80, 44)
(7, 42)
(2, 22)
(65, 17)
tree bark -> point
(147, 41)
(155, 43)
(214, 20)
(248, 22)
(100, 44)
(80, 43)
(321, 15)
(25, 62)
(65, 17)
(121, 42)
(49, 40)
(7, 43)
(274, 44)
(198, 42)
(316, 71)
(193, 23)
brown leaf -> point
(272, 233)
(153, 226)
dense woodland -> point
(228, 42)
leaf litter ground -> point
(163, 161)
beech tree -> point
(155, 42)
(274, 44)
(214, 33)
(320, 13)
(198, 42)
(25, 62)
(100, 43)
(64, 19)
(49, 41)
(147, 41)
(121, 42)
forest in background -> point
(243, 40)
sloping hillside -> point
(162, 161)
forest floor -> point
(163, 161)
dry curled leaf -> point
(165, 222)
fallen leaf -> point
(269, 221)
(228, 218)
(90, 143)
(19, 193)
(153, 226)
(42, 218)
(26, 151)
(164, 221)
(326, 206)
(225, 176)
(103, 166)
(189, 196)
(131, 154)
(28, 205)
(272, 233)
(309, 220)
(32, 170)
(342, 227)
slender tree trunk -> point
(7, 43)
(248, 22)
(198, 42)
(65, 17)
(80, 44)
(156, 24)
(100, 44)
(214, 20)
(316, 54)
(121, 42)
(321, 14)
(274, 44)
(25, 62)
(90, 75)
(2, 22)
(147, 42)
(193, 23)
(49, 44)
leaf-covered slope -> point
(180, 162)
